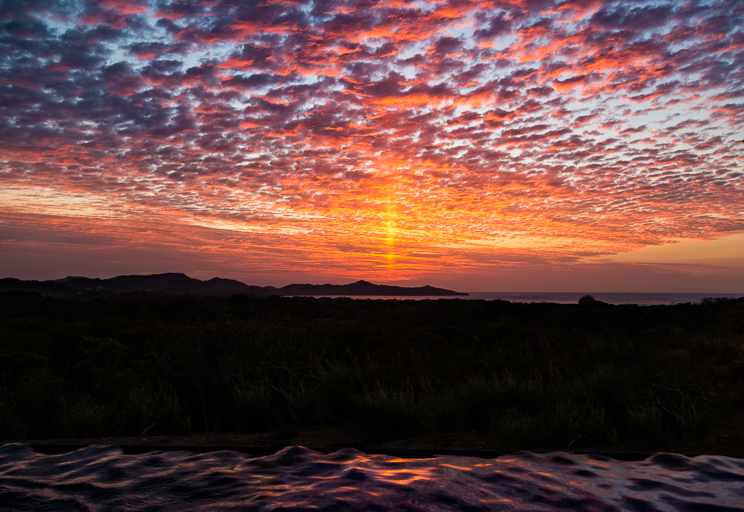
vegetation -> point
(530, 376)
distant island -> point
(364, 288)
(178, 283)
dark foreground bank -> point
(340, 372)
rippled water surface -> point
(103, 478)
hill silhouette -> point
(364, 288)
(179, 283)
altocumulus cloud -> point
(396, 127)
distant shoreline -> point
(181, 284)
(614, 298)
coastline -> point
(614, 298)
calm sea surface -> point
(294, 479)
(642, 299)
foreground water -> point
(294, 479)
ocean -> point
(103, 478)
(641, 299)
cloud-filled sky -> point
(478, 144)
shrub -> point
(168, 413)
(302, 402)
(516, 428)
(597, 427)
(443, 411)
(645, 423)
(338, 385)
(562, 425)
(252, 407)
(136, 413)
(84, 417)
(38, 401)
(384, 413)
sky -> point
(546, 145)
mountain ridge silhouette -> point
(180, 283)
